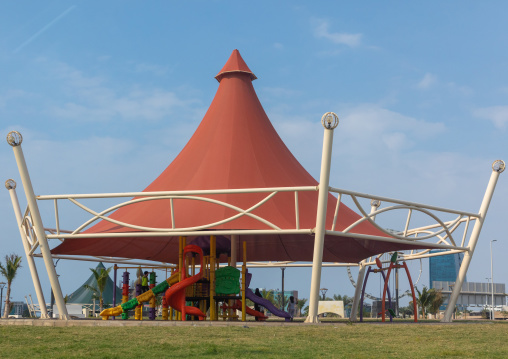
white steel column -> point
(497, 168)
(15, 139)
(329, 121)
(358, 291)
(11, 186)
(374, 205)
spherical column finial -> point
(330, 120)
(498, 166)
(14, 138)
(375, 203)
(10, 184)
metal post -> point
(2, 286)
(358, 291)
(11, 186)
(374, 205)
(397, 291)
(15, 139)
(244, 281)
(52, 303)
(283, 269)
(492, 276)
(329, 121)
(213, 257)
(497, 168)
(234, 250)
(114, 287)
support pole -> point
(234, 250)
(363, 295)
(329, 121)
(15, 139)
(358, 291)
(497, 168)
(244, 282)
(115, 270)
(492, 317)
(374, 205)
(283, 304)
(213, 257)
(11, 186)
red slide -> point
(175, 295)
(249, 311)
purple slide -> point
(264, 302)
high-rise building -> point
(444, 268)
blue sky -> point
(107, 93)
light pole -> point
(492, 276)
(2, 286)
(487, 296)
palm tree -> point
(268, 294)
(425, 298)
(300, 303)
(9, 271)
(344, 298)
(101, 278)
(278, 300)
(337, 297)
(437, 301)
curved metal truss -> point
(440, 232)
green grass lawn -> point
(366, 340)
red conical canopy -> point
(234, 147)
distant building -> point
(287, 293)
(474, 294)
(444, 268)
(18, 308)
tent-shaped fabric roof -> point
(83, 295)
(234, 147)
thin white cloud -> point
(278, 46)
(91, 98)
(462, 90)
(498, 115)
(427, 81)
(430, 80)
(374, 120)
(322, 30)
(365, 132)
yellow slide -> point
(145, 297)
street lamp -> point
(492, 276)
(2, 286)
(323, 292)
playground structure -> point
(185, 285)
(258, 195)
